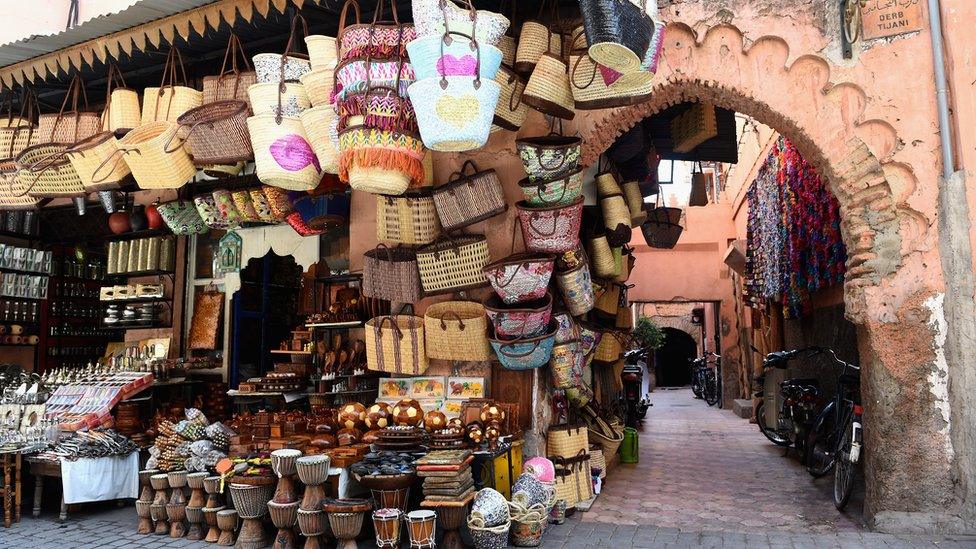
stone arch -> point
(824, 120)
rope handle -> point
(555, 224)
(447, 40)
(514, 79)
(95, 178)
(456, 317)
(557, 167)
(48, 161)
(75, 88)
(572, 75)
(540, 187)
(460, 173)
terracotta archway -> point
(887, 241)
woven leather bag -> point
(173, 97)
(391, 274)
(467, 199)
(407, 219)
(452, 264)
(395, 344)
(231, 82)
(457, 330)
(70, 126)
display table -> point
(11, 488)
(85, 480)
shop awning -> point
(143, 25)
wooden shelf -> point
(278, 352)
(336, 325)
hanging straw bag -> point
(378, 107)
(574, 482)
(181, 217)
(407, 219)
(380, 162)
(549, 157)
(70, 126)
(231, 82)
(548, 90)
(288, 98)
(323, 51)
(576, 288)
(520, 277)
(432, 17)
(319, 84)
(287, 66)
(566, 441)
(635, 202)
(616, 219)
(525, 353)
(283, 156)
(391, 274)
(379, 39)
(453, 54)
(556, 192)
(45, 172)
(13, 193)
(216, 133)
(155, 160)
(173, 97)
(457, 330)
(550, 229)
(566, 365)
(121, 112)
(89, 155)
(454, 113)
(663, 226)
(520, 320)
(596, 87)
(610, 346)
(18, 132)
(510, 112)
(467, 199)
(618, 32)
(395, 344)
(536, 38)
(452, 264)
(568, 330)
(318, 123)
(602, 258)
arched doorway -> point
(672, 366)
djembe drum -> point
(176, 508)
(210, 518)
(147, 493)
(227, 520)
(451, 516)
(211, 485)
(313, 471)
(251, 502)
(346, 519)
(386, 524)
(194, 516)
(197, 496)
(283, 463)
(312, 524)
(157, 510)
(284, 516)
(144, 511)
(421, 526)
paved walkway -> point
(706, 479)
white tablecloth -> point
(100, 479)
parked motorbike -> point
(798, 410)
(704, 377)
(635, 407)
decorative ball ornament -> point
(153, 217)
(434, 420)
(408, 413)
(492, 412)
(455, 423)
(378, 416)
(492, 432)
(476, 433)
(352, 415)
(118, 223)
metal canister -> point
(133, 260)
(167, 254)
(122, 259)
(113, 257)
(151, 253)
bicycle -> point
(704, 378)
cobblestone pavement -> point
(706, 479)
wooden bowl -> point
(387, 482)
(346, 505)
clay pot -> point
(118, 223)
(153, 219)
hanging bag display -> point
(173, 97)
(453, 264)
(181, 217)
(663, 226)
(618, 32)
(288, 66)
(380, 162)
(566, 365)
(550, 229)
(156, 157)
(232, 82)
(323, 51)
(395, 344)
(88, 155)
(549, 157)
(454, 113)
(391, 274)
(122, 111)
(520, 277)
(596, 87)
(525, 353)
(635, 203)
(45, 172)
(556, 192)
(319, 85)
(377, 105)
(216, 133)
(536, 38)
(319, 123)
(18, 132)
(457, 330)
(453, 54)
(379, 39)
(510, 111)
(467, 199)
(70, 126)
(699, 187)
(520, 320)
(576, 288)
(602, 258)
(432, 17)
(407, 219)
(548, 90)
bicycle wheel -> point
(710, 393)
(771, 434)
(822, 443)
(696, 383)
(844, 468)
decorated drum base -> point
(312, 525)
(210, 519)
(227, 522)
(346, 527)
(143, 509)
(386, 524)
(158, 513)
(194, 516)
(422, 525)
(284, 516)
(451, 519)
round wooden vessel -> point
(451, 518)
(346, 527)
(159, 481)
(252, 535)
(194, 516)
(176, 512)
(386, 524)
(144, 511)
(227, 520)
(210, 519)
(421, 526)
(177, 479)
(211, 485)
(197, 496)
(392, 499)
(313, 470)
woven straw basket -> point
(231, 82)
(395, 344)
(566, 441)
(467, 199)
(616, 219)
(153, 165)
(535, 40)
(391, 274)
(14, 139)
(601, 258)
(13, 194)
(283, 156)
(318, 85)
(456, 330)
(635, 202)
(265, 96)
(606, 184)
(97, 162)
(45, 172)
(453, 264)
(169, 103)
(121, 110)
(510, 112)
(217, 133)
(594, 88)
(509, 47)
(318, 122)
(548, 90)
(322, 51)
(407, 219)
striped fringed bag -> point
(380, 162)
(395, 344)
(380, 107)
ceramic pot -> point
(491, 506)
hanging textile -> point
(793, 233)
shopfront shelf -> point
(23, 271)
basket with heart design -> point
(453, 54)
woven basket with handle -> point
(319, 123)
(391, 274)
(216, 133)
(548, 90)
(13, 193)
(232, 82)
(510, 111)
(45, 172)
(457, 330)
(173, 97)
(467, 198)
(407, 219)
(452, 264)
(395, 344)
(156, 156)
(70, 126)
(121, 110)
(17, 132)
(89, 155)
